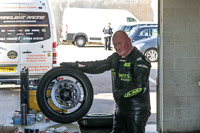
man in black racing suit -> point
(130, 72)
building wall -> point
(181, 65)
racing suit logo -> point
(124, 77)
(127, 64)
(133, 92)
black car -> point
(144, 32)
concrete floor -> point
(103, 103)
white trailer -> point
(81, 25)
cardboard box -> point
(8, 129)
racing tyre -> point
(152, 55)
(80, 41)
(64, 95)
(96, 120)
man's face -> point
(121, 45)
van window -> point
(131, 19)
(24, 27)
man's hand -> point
(72, 64)
(81, 65)
(69, 64)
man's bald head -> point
(122, 43)
(120, 33)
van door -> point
(9, 52)
(27, 38)
(36, 47)
(25, 42)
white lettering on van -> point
(35, 17)
(29, 33)
(21, 17)
(27, 30)
(11, 17)
(38, 38)
(14, 38)
(35, 30)
(27, 38)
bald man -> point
(130, 72)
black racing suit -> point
(130, 89)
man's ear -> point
(129, 40)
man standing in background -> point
(107, 36)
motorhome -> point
(27, 38)
(81, 25)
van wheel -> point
(80, 41)
(64, 95)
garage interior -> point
(178, 92)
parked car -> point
(129, 26)
(149, 47)
(143, 32)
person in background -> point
(107, 36)
(130, 71)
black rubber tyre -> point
(80, 41)
(152, 55)
(96, 120)
(64, 95)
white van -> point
(81, 25)
(27, 38)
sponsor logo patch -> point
(133, 92)
(12, 54)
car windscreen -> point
(121, 27)
(128, 28)
(133, 30)
(24, 27)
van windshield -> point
(24, 27)
(131, 19)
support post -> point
(24, 97)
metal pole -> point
(24, 97)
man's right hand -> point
(69, 64)
(72, 64)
